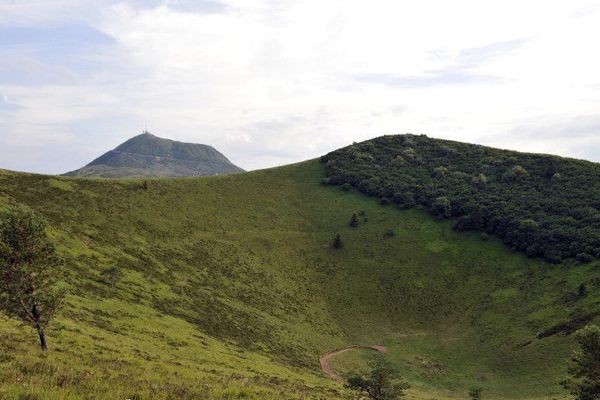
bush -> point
(111, 275)
(584, 258)
(515, 174)
(439, 172)
(346, 187)
(337, 242)
(398, 161)
(584, 382)
(441, 207)
(405, 199)
(581, 291)
(475, 393)
(480, 180)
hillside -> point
(235, 293)
(147, 155)
(543, 205)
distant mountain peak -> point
(147, 155)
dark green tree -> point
(441, 207)
(29, 268)
(405, 199)
(584, 368)
(337, 241)
(382, 381)
(475, 393)
(582, 290)
(354, 220)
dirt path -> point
(324, 359)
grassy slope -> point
(232, 291)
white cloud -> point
(276, 81)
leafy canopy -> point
(584, 369)
(29, 267)
(382, 381)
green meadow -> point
(231, 289)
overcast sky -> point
(270, 82)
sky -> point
(271, 82)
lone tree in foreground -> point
(584, 369)
(382, 381)
(29, 267)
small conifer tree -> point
(337, 241)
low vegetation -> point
(229, 288)
(543, 205)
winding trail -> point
(324, 359)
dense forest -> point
(544, 205)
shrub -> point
(439, 172)
(475, 393)
(111, 275)
(514, 174)
(581, 290)
(441, 207)
(405, 199)
(480, 179)
(584, 258)
(409, 153)
(584, 380)
(337, 242)
(398, 161)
